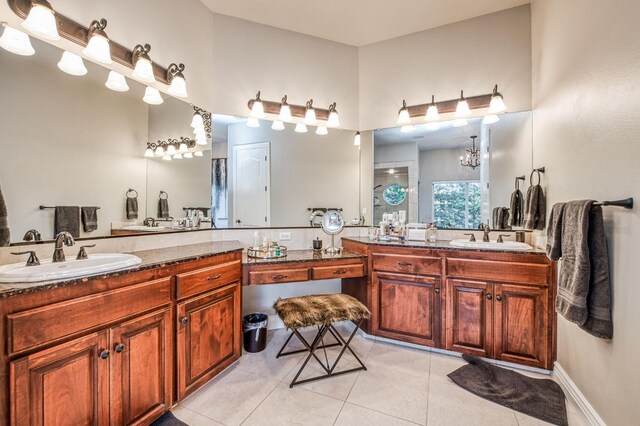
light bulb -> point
(148, 153)
(167, 158)
(117, 82)
(496, 105)
(183, 147)
(310, 114)
(277, 125)
(322, 130)
(432, 126)
(187, 155)
(152, 96)
(490, 119)
(178, 87)
(15, 41)
(72, 64)
(143, 69)
(42, 22)
(159, 151)
(460, 122)
(407, 128)
(403, 114)
(391, 171)
(201, 140)
(301, 128)
(98, 47)
(285, 111)
(171, 149)
(178, 156)
(432, 111)
(198, 154)
(462, 109)
(356, 139)
(257, 109)
(253, 122)
(197, 121)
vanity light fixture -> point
(403, 114)
(322, 130)
(183, 147)
(301, 128)
(432, 111)
(148, 153)
(471, 156)
(143, 68)
(257, 110)
(310, 114)
(356, 139)
(433, 126)
(201, 140)
(253, 122)
(72, 64)
(159, 152)
(490, 119)
(41, 20)
(460, 122)
(187, 155)
(199, 131)
(98, 46)
(171, 149)
(117, 82)
(167, 158)
(15, 41)
(178, 156)
(497, 102)
(198, 154)
(152, 96)
(334, 119)
(277, 125)
(462, 109)
(407, 128)
(197, 121)
(177, 82)
(285, 110)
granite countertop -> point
(438, 245)
(299, 256)
(150, 259)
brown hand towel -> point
(132, 208)
(89, 218)
(5, 234)
(515, 208)
(535, 203)
(67, 218)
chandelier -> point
(471, 156)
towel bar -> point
(627, 203)
(51, 208)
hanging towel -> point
(5, 235)
(535, 204)
(67, 218)
(132, 207)
(163, 208)
(515, 208)
(576, 235)
(501, 218)
(89, 218)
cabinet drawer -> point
(521, 273)
(201, 280)
(406, 264)
(35, 327)
(340, 271)
(278, 276)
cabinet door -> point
(521, 324)
(64, 385)
(141, 369)
(409, 308)
(468, 317)
(209, 336)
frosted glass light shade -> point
(407, 128)
(432, 113)
(72, 64)
(152, 96)
(198, 154)
(310, 116)
(285, 112)
(200, 132)
(356, 139)
(253, 122)
(257, 110)
(178, 156)
(144, 71)
(460, 122)
(403, 114)
(183, 148)
(178, 87)
(490, 119)
(197, 122)
(98, 49)
(42, 22)
(171, 150)
(322, 130)
(201, 140)
(277, 125)
(117, 82)
(334, 119)
(187, 155)
(159, 151)
(497, 105)
(301, 128)
(15, 41)
(148, 153)
(167, 158)
(462, 109)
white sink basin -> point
(143, 228)
(71, 268)
(492, 245)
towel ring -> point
(538, 171)
(130, 191)
(166, 196)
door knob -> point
(104, 354)
(489, 297)
(437, 290)
(184, 320)
(119, 348)
(499, 298)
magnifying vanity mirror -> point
(332, 224)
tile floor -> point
(403, 386)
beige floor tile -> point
(192, 418)
(449, 404)
(391, 392)
(265, 363)
(295, 406)
(231, 398)
(402, 359)
(353, 415)
(442, 364)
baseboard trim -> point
(578, 397)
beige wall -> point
(586, 57)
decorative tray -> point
(270, 254)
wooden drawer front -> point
(340, 271)
(521, 273)
(29, 329)
(201, 280)
(276, 276)
(407, 264)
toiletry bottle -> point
(256, 240)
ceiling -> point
(447, 137)
(358, 22)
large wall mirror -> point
(70, 141)
(420, 172)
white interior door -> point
(251, 164)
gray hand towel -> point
(515, 207)
(67, 218)
(535, 204)
(5, 234)
(163, 208)
(554, 232)
(132, 208)
(89, 218)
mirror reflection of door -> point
(251, 173)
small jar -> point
(432, 233)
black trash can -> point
(254, 332)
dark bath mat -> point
(539, 398)
(168, 419)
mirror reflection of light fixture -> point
(490, 119)
(471, 156)
(433, 126)
(197, 122)
(201, 140)
(391, 171)
(310, 114)
(285, 111)
(407, 128)
(301, 128)
(432, 111)
(462, 109)
(177, 82)
(183, 148)
(159, 152)
(72, 64)
(41, 20)
(152, 96)
(257, 110)
(98, 45)
(403, 114)
(187, 155)
(253, 122)
(334, 119)
(15, 41)
(322, 130)
(149, 153)
(167, 158)
(198, 154)
(356, 139)
(460, 122)
(277, 125)
(143, 69)
(117, 82)
(496, 105)
(178, 156)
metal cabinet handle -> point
(499, 298)
(405, 263)
(280, 277)
(119, 348)
(437, 290)
(489, 296)
(104, 354)
(215, 277)
(184, 320)
(339, 271)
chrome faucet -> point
(32, 235)
(62, 238)
(485, 237)
(149, 222)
